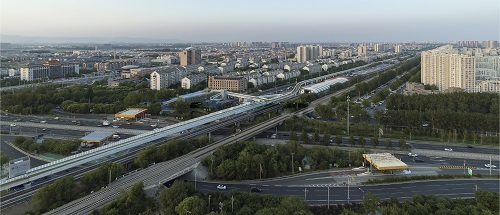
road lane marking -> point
(309, 179)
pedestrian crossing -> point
(456, 167)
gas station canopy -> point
(385, 161)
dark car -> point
(255, 190)
(470, 147)
(418, 160)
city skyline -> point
(223, 21)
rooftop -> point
(131, 112)
(385, 161)
(97, 136)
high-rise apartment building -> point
(375, 47)
(190, 56)
(397, 48)
(361, 50)
(445, 68)
(305, 53)
(468, 44)
(489, 44)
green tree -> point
(3, 158)
(402, 144)
(488, 200)
(181, 106)
(136, 199)
(305, 137)
(375, 142)
(191, 205)
(338, 139)
(316, 137)
(362, 141)
(174, 195)
(352, 141)
(326, 139)
(56, 194)
(348, 212)
(291, 204)
(370, 203)
(388, 144)
(293, 136)
(133, 98)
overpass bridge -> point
(160, 173)
(150, 136)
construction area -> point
(132, 113)
(385, 162)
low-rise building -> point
(227, 83)
(191, 80)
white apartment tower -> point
(362, 51)
(446, 69)
(305, 53)
(397, 48)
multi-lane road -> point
(338, 195)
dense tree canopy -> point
(249, 160)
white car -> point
(12, 125)
(448, 149)
(412, 154)
(116, 126)
(221, 187)
(490, 165)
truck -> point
(105, 123)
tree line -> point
(249, 160)
(67, 189)
(81, 99)
(167, 151)
(182, 198)
(56, 146)
(366, 87)
(483, 103)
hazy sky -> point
(256, 20)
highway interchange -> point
(314, 193)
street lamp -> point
(348, 116)
(363, 193)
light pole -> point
(348, 116)
(195, 179)
(328, 197)
(363, 193)
(305, 194)
(209, 196)
(292, 165)
(348, 189)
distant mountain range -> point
(98, 40)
